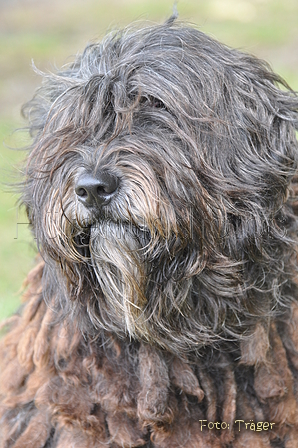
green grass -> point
(16, 243)
(48, 32)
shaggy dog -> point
(160, 186)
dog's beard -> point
(117, 254)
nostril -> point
(81, 192)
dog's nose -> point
(96, 191)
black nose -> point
(96, 191)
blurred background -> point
(51, 32)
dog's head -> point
(157, 186)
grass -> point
(50, 31)
(16, 243)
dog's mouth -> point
(116, 232)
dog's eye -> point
(158, 104)
(153, 102)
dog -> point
(161, 188)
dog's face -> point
(156, 185)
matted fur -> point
(175, 302)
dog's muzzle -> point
(96, 190)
